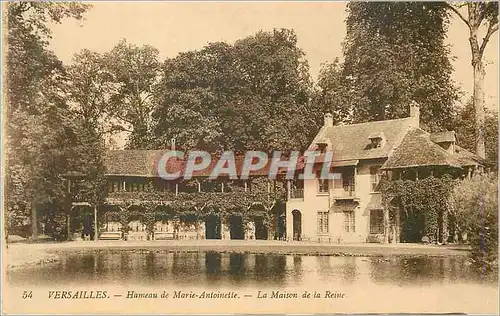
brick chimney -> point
(415, 114)
(328, 120)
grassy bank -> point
(18, 257)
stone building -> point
(350, 208)
(140, 205)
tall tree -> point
(278, 87)
(35, 109)
(395, 54)
(331, 94)
(194, 87)
(478, 16)
(90, 86)
(135, 72)
(250, 95)
(464, 126)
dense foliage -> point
(475, 204)
(250, 95)
(464, 127)
(259, 202)
(46, 138)
(423, 203)
(36, 146)
(394, 54)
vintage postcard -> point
(249, 157)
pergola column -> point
(386, 225)
(398, 226)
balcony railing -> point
(297, 194)
(348, 191)
(141, 195)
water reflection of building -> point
(251, 271)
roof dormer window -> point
(322, 147)
(377, 140)
(446, 140)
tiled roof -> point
(417, 149)
(441, 137)
(353, 141)
(145, 163)
(132, 162)
(376, 135)
(405, 146)
(466, 158)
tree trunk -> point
(34, 221)
(478, 90)
(478, 97)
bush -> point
(475, 204)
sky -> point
(175, 27)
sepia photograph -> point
(249, 157)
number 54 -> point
(27, 294)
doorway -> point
(236, 227)
(212, 227)
(260, 228)
(297, 224)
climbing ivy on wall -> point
(150, 204)
(427, 198)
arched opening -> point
(281, 227)
(278, 221)
(257, 227)
(82, 223)
(413, 226)
(188, 226)
(260, 228)
(212, 227)
(297, 224)
(236, 227)
(164, 224)
(136, 225)
(110, 222)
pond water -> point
(211, 269)
(366, 284)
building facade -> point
(140, 205)
(350, 208)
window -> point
(376, 221)
(114, 186)
(338, 182)
(376, 142)
(375, 177)
(349, 222)
(323, 186)
(322, 222)
(322, 147)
